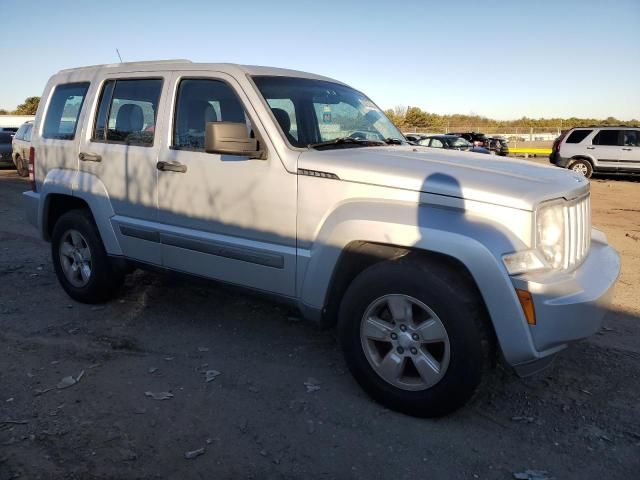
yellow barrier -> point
(532, 151)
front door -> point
(121, 149)
(607, 148)
(223, 216)
(631, 151)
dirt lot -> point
(578, 419)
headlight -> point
(550, 234)
(562, 237)
(548, 251)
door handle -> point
(627, 149)
(171, 167)
(89, 157)
(591, 148)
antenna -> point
(118, 52)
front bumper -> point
(570, 306)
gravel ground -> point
(578, 419)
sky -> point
(501, 59)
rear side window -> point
(608, 137)
(64, 108)
(199, 102)
(578, 135)
(127, 112)
(21, 131)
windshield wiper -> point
(347, 141)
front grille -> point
(577, 227)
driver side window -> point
(201, 101)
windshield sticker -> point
(326, 114)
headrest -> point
(130, 118)
(283, 119)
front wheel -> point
(414, 336)
(582, 167)
(80, 259)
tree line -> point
(28, 107)
(414, 117)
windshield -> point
(311, 111)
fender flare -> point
(88, 188)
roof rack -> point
(128, 64)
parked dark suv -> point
(5, 148)
(497, 145)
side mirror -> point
(230, 138)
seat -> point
(198, 114)
(283, 119)
(129, 120)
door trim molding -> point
(212, 247)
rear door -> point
(606, 147)
(630, 151)
(121, 149)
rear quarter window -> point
(61, 119)
(20, 133)
(578, 135)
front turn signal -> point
(526, 302)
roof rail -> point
(608, 126)
(128, 64)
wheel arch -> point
(359, 255)
(328, 274)
(60, 193)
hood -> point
(471, 176)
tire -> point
(76, 233)
(454, 302)
(582, 167)
(20, 167)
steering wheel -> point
(358, 136)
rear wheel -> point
(582, 167)
(22, 169)
(414, 336)
(80, 259)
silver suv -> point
(586, 150)
(432, 262)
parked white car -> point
(431, 261)
(598, 149)
(21, 147)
